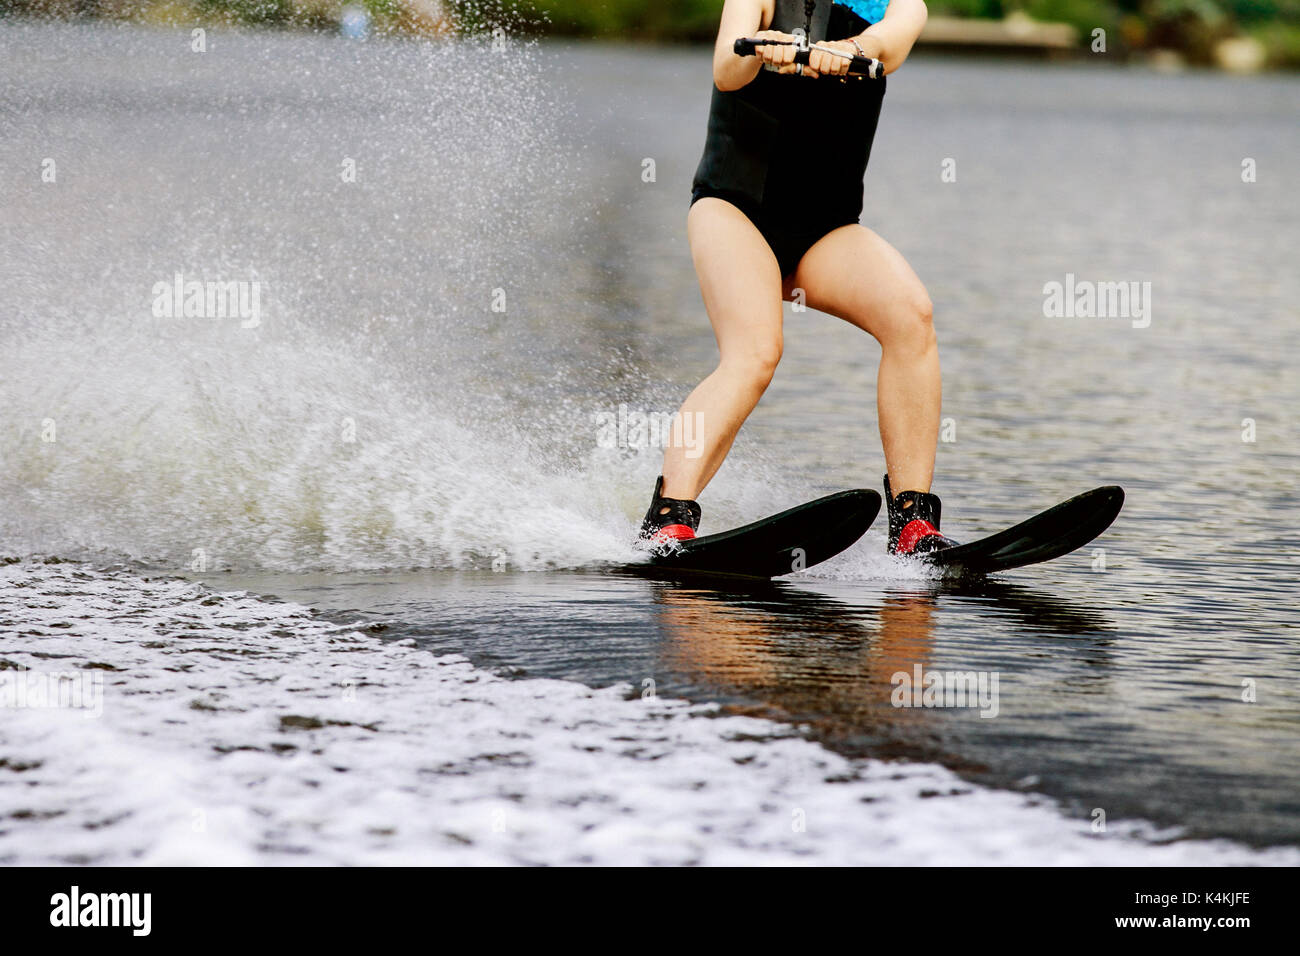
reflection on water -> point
(830, 665)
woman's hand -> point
(780, 57)
(823, 63)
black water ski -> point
(785, 542)
(1057, 531)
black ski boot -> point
(914, 522)
(669, 519)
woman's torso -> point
(786, 146)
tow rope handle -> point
(858, 66)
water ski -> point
(780, 544)
(1056, 531)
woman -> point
(774, 208)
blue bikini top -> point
(869, 10)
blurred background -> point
(1236, 35)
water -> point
(383, 439)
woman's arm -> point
(742, 18)
(890, 40)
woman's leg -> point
(741, 284)
(854, 274)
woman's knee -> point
(910, 324)
(756, 362)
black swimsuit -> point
(791, 153)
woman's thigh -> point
(739, 278)
(854, 274)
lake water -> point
(384, 448)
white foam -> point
(228, 737)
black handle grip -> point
(858, 66)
